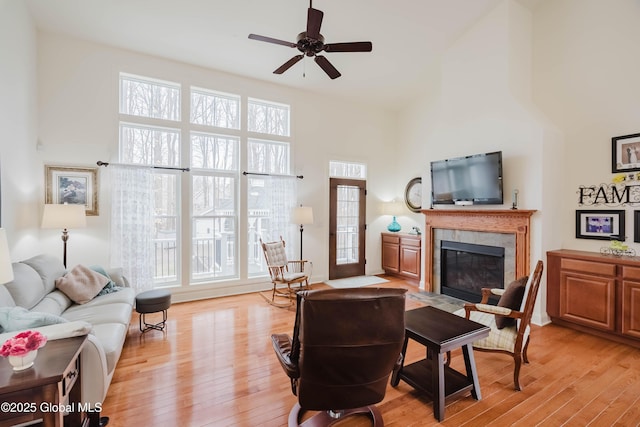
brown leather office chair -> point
(345, 344)
(512, 338)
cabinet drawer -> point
(388, 238)
(410, 241)
(631, 272)
(588, 267)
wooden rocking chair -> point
(283, 273)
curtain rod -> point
(245, 173)
(105, 164)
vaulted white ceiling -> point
(408, 37)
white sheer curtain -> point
(132, 223)
(282, 196)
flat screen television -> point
(475, 179)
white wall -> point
(21, 174)
(484, 104)
(586, 66)
(78, 105)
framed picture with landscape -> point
(600, 224)
(75, 186)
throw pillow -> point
(81, 284)
(109, 287)
(19, 318)
(512, 298)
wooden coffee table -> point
(440, 332)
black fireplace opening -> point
(466, 268)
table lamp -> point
(302, 215)
(65, 217)
(6, 271)
(393, 208)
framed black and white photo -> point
(600, 224)
(625, 153)
(75, 186)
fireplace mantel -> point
(511, 221)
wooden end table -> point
(47, 390)
(440, 332)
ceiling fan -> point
(311, 43)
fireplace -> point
(466, 268)
(513, 222)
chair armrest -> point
(296, 266)
(487, 292)
(282, 345)
(492, 309)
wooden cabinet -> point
(595, 293)
(401, 255)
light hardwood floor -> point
(214, 366)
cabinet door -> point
(588, 300)
(410, 261)
(631, 308)
(391, 254)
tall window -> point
(214, 185)
(210, 141)
(151, 137)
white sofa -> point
(105, 318)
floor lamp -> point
(6, 270)
(65, 217)
(302, 215)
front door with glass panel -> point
(346, 228)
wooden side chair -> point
(510, 327)
(284, 273)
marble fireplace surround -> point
(516, 222)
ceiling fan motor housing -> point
(309, 46)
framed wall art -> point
(600, 224)
(625, 153)
(72, 185)
(636, 226)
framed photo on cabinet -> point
(600, 224)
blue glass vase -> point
(394, 226)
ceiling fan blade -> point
(349, 47)
(284, 67)
(327, 67)
(271, 40)
(314, 21)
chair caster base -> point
(329, 418)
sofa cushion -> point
(27, 288)
(54, 302)
(124, 295)
(19, 318)
(511, 298)
(81, 284)
(117, 312)
(49, 268)
(6, 300)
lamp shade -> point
(302, 215)
(64, 216)
(393, 207)
(6, 271)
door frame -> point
(353, 269)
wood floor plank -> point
(214, 366)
